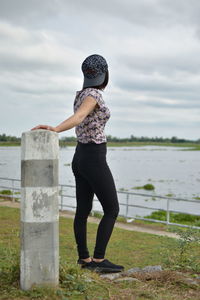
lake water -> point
(169, 169)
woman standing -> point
(92, 174)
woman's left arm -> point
(83, 111)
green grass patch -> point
(7, 195)
(10, 144)
(148, 187)
(141, 223)
(131, 249)
(6, 192)
(179, 218)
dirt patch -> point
(167, 278)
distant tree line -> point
(9, 138)
(132, 138)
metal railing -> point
(15, 186)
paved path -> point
(125, 226)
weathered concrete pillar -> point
(39, 209)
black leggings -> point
(93, 176)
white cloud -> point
(34, 50)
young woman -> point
(92, 174)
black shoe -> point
(81, 262)
(104, 266)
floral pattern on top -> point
(91, 129)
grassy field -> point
(140, 144)
(9, 144)
(192, 146)
(132, 249)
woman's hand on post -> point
(46, 127)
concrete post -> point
(39, 264)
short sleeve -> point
(96, 95)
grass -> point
(10, 144)
(191, 146)
(132, 249)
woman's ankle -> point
(89, 259)
(97, 259)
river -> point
(170, 169)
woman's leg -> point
(107, 195)
(101, 180)
(84, 198)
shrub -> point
(148, 186)
(6, 192)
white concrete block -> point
(39, 204)
(39, 144)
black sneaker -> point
(81, 262)
(103, 267)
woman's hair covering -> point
(94, 69)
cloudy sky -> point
(152, 48)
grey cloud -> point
(36, 84)
(143, 12)
(185, 12)
(178, 106)
(31, 50)
(21, 11)
(151, 85)
(168, 64)
(42, 91)
(21, 64)
(172, 76)
(154, 87)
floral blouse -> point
(92, 127)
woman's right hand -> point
(46, 127)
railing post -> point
(168, 212)
(61, 194)
(13, 199)
(39, 262)
(127, 203)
